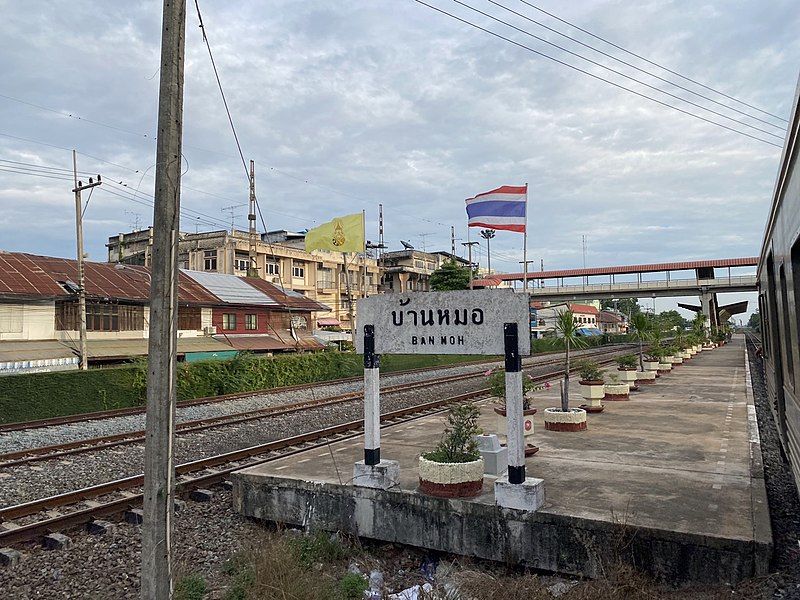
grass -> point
(190, 587)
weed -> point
(352, 586)
(191, 587)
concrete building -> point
(281, 260)
(217, 314)
(410, 270)
(612, 322)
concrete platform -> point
(671, 481)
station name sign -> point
(461, 322)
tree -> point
(671, 319)
(628, 306)
(567, 329)
(640, 328)
(755, 321)
(450, 276)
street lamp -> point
(488, 234)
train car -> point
(779, 293)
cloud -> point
(350, 105)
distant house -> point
(39, 316)
(612, 322)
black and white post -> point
(373, 471)
(516, 439)
(372, 399)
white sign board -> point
(462, 322)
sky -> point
(347, 105)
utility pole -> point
(469, 246)
(79, 186)
(488, 234)
(453, 241)
(583, 242)
(159, 472)
(252, 271)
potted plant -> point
(673, 355)
(641, 328)
(616, 389)
(626, 366)
(455, 468)
(564, 418)
(592, 385)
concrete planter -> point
(557, 420)
(677, 359)
(502, 421)
(646, 377)
(451, 480)
(664, 367)
(593, 391)
(628, 376)
(616, 391)
(651, 365)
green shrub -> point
(627, 361)
(589, 370)
(458, 441)
(191, 587)
(352, 586)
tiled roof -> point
(583, 309)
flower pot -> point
(628, 376)
(616, 391)
(664, 367)
(651, 365)
(502, 421)
(677, 359)
(646, 377)
(451, 480)
(557, 420)
(592, 390)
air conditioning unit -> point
(210, 330)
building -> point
(281, 259)
(410, 270)
(612, 322)
(218, 315)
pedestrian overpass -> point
(703, 278)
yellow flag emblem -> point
(343, 234)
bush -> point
(627, 361)
(589, 370)
(352, 586)
(458, 441)
(191, 587)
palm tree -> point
(641, 331)
(699, 325)
(567, 329)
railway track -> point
(42, 453)
(30, 521)
(124, 412)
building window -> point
(241, 262)
(229, 321)
(189, 318)
(210, 260)
(271, 268)
(325, 278)
(251, 322)
(298, 272)
(100, 317)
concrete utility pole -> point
(452, 241)
(159, 472)
(469, 246)
(252, 270)
(79, 186)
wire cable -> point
(655, 64)
(631, 65)
(592, 75)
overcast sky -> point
(349, 104)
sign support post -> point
(516, 443)
(373, 472)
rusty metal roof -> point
(29, 276)
(750, 261)
(288, 298)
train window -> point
(787, 326)
(765, 333)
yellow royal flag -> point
(343, 234)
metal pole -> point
(252, 271)
(514, 416)
(525, 245)
(81, 279)
(159, 475)
(372, 399)
(349, 298)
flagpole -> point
(364, 252)
(525, 246)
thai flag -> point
(503, 208)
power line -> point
(628, 64)
(585, 72)
(655, 64)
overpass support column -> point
(708, 300)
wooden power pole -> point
(159, 474)
(79, 187)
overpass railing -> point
(736, 281)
